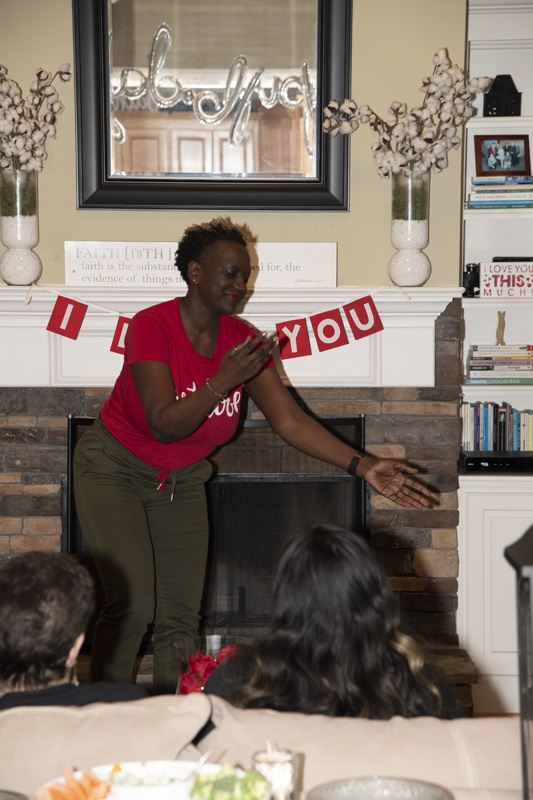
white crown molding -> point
(401, 355)
(501, 44)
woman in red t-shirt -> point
(175, 400)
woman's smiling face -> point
(220, 276)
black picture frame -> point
(482, 145)
(96, 188)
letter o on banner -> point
(329, 330)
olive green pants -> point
(150, 550)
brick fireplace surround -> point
(418, 548)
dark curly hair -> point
(46, 601)
(334, 645)
(197, 238)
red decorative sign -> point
(117, 345)
(363, 317)
(293, 339)
(329, 330)
(67, 317)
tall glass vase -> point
(409, 266)
(19, 227)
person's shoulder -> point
(237, 325)
(158, 311)
(107, 692)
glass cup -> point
(209, 644)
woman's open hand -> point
(244, 361)
(390, 478)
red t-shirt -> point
(157, 334)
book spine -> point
(499, 197)
(500, 373)
(501, 204)
(503, 179)
(501, 367)
(507, 358)
(496, 361)
(502, 348)
(498, 381)
(498, 188)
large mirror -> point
(204, 104)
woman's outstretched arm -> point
(390, 477)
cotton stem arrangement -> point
(417, 141)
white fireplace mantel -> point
(403, 354)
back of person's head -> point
(198, 238)
(335, 646)
(46, 602)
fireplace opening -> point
(252, 514)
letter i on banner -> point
(329, 329)
(293, 339)
(67, 317)
(363, 317)
(117, 345)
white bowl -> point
(174, 779)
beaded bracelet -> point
(222, 396)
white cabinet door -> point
(495, 511)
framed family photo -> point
(502, 155)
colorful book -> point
(500, 204)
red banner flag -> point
(293, 339)
(363, 317)
(117, 345)
(329, 330)
(67, 317)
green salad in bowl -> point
(230, 784)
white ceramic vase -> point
(409, 266)
(19, 227)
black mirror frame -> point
(97, 189)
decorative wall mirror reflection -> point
(210, 104)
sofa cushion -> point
(461, 753)
(36, 742)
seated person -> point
(334, 645)
(46, 602)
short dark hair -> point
(46, 601)
(197, 238)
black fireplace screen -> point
(251, 515)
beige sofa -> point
(472, 757)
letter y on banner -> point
(293, 339)
(363, 317)
(67, 317)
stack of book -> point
(501, 191)
(493, 364)
(493, 427)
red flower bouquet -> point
(200, 668)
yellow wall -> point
(393, 44)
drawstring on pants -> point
(162, 479)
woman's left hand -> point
(391, 478)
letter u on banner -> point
(293, 339)
(363, 317)
(67, 317)
(329, 329)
